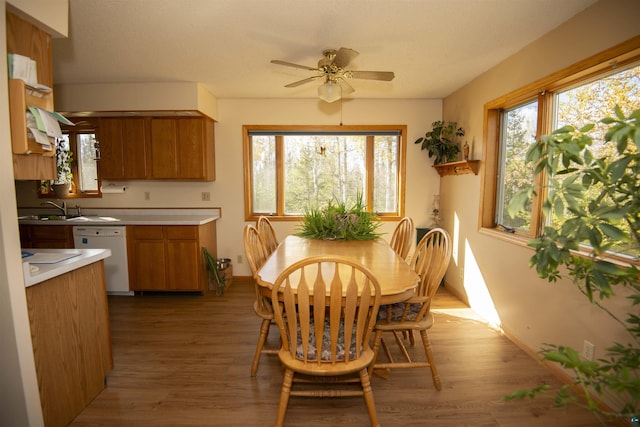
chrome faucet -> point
(62, 207)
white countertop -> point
(44, 272)
(105, 217)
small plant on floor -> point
(599, 197)
(219, 281)
(340, 222)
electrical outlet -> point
(147, 195)
(588, 350)
(240, 260)
(206, 196)
(461, 272)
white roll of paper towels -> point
(113, 188)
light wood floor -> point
(183, 360)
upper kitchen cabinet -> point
(24, 38)
(182, 148)
(125, 152)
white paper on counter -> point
(50, 258)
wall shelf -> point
(458, 168)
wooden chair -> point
(402, 237)
(267, 233)
(431, 259)
(256, 256)
(337, 299)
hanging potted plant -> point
(441, 141)
(62, 184)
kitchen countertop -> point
(81, 258)
(106, 217)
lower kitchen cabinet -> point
(169, 257)
(46, 236)
(69, 323)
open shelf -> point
(458, 168)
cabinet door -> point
(124, 148)
(164, 156)
(183, 265)
(47, 236)
(110, 164)
(191, 153)
(147, 258)
(135, 148)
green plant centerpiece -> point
(598, 201)
(337, 221)
(441, 141)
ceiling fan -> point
(331, 68)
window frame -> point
(83, 127)
(542, 90)
(279, 214)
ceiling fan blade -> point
(346, 87)
(372, 75)
(291, 64)
(344, 56)
(303, 81)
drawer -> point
(150, 232)
(50, 232)
(182, 232)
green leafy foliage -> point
(64, 159)
(597, 198)
(440, 142)
(214, 273)
(337, 221)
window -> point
(81, 145)
(584, 93)
(290, 169)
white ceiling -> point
(433, 46)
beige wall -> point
(495, 273)
(227, 191)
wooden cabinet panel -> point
(169, 258)
(191, 152)
(26, 39)
(147, 265)
(69, 322)
(182, 148)
(183, 264)
(181, 232)
(135, 150)
(124, 148)
(46, 236)
(164, 140)
(109, 135)
(146, 232)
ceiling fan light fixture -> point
(330, 91)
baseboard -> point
(556, 370)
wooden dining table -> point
(397, 280)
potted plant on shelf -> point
(441, 141)
(62, 184)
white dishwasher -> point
(113, 238)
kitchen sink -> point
(92, 218)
